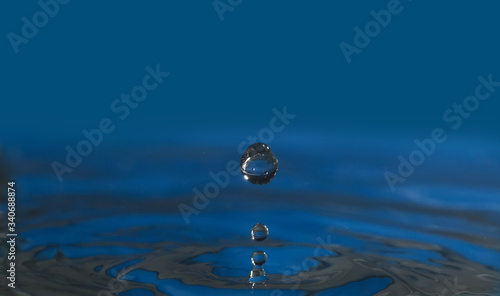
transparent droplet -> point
(259, 164)
(258, 274)
(259, 232)
(259, 258)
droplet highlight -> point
(258, 164)
(259, 232)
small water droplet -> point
(259, 232)
(259, 164)
(258, 274)
(259, 258)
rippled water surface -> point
(114, 226)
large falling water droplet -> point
(259, 232)
(259, 258)
(259, 164)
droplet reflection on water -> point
(258, 274)
(259, 164)
(259, 232)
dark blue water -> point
(114, 227)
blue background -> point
(231, 73)
(353, 119)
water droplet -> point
(257, 275)
(259, 232)
(259, 164)
(259, 258)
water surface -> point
(113, 227)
